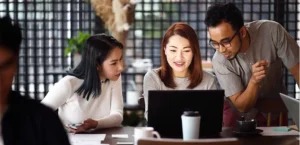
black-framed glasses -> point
(225, 43)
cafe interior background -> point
(54, 32)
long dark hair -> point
(95, 51)
(195, 68)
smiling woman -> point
(91, 94)
(181, 67)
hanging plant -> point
(76, 44)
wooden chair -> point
(141, 102)
(266, 105)
(221, 141)
(271, 106)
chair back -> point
(273, 106)
(217, 141)
(141, 102)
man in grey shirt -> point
(248, 61)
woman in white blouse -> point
(91, 94)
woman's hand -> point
(86, 125)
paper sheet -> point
(86, 143)
(119, 135)
(86, 139)
(124, 142)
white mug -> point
(190, 125)
(144, 132)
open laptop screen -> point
(292, 105)
(165, 108)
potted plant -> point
(75, 45)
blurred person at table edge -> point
(23, 120)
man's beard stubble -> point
(240, 47)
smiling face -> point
(113, 65)
(179, 55)
(8, 68)
(223, 33)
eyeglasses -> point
(225, 43)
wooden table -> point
(267, 137)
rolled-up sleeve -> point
(228, 80)
(287, 48)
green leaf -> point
(71, 41)
(76, 43)
(67, 51)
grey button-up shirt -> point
(269, 41)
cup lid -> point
(191, 113)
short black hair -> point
(10, 34)
(95, 51)
(227, 12)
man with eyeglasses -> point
(248, 62)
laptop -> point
(292, 106)
(165, 108)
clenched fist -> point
(259, 71)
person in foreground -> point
(181, 67)
(23, 120)
(91, 94)
(248, 62)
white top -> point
(107, 108)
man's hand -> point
(259, 71)
(86, 125)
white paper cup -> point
(190, 126)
